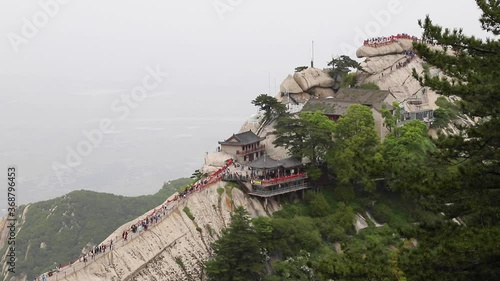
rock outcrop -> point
(313, 77)
(385, 72)
(379, 64)
(396, 47)
(299, 88)
(214, 160)
(289, 85)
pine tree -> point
(468, 183)
(237, 253)
(309, 135)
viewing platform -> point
(267, 177)
(282, 180)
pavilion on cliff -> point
(245, 147)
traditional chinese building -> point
(337, 106)
(271, 177)
(245, 147)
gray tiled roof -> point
(327, 106)
(243, 138)
(373, 98)
(266, 162)
(346, 97)
(290, 162)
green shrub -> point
(369, 86)
(188, 213)
(210, 230)
(179, 261)
(314, 172)
(229, 190)
(330, 230)
(344, 217)
(220, 191)
(318, 205)
(344, 193)
(382, 213)
(349, 80)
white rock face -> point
(322, 93)
(379, 64)
(157, 254)
(313, 77)
(274, 152)
(360, 223)
(293, 98)
(398, 80)
(214, 160)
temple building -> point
(245, 147)
(337, 106)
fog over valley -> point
(165, 80)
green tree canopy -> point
(406, 154)
(237, 253)
(356, 143)
(342, 65)
(309, 135)
(393, 117)
(271, 106)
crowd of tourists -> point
(145, 223)
(383, 40)
(410, 55)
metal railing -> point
(280, 180)
(278, 191)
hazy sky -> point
(67, 65)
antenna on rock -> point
(312, 56)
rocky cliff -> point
(175, 247)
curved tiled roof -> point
(266, 162)
(245, 138)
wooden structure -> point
(245, 147)
(275, 177)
